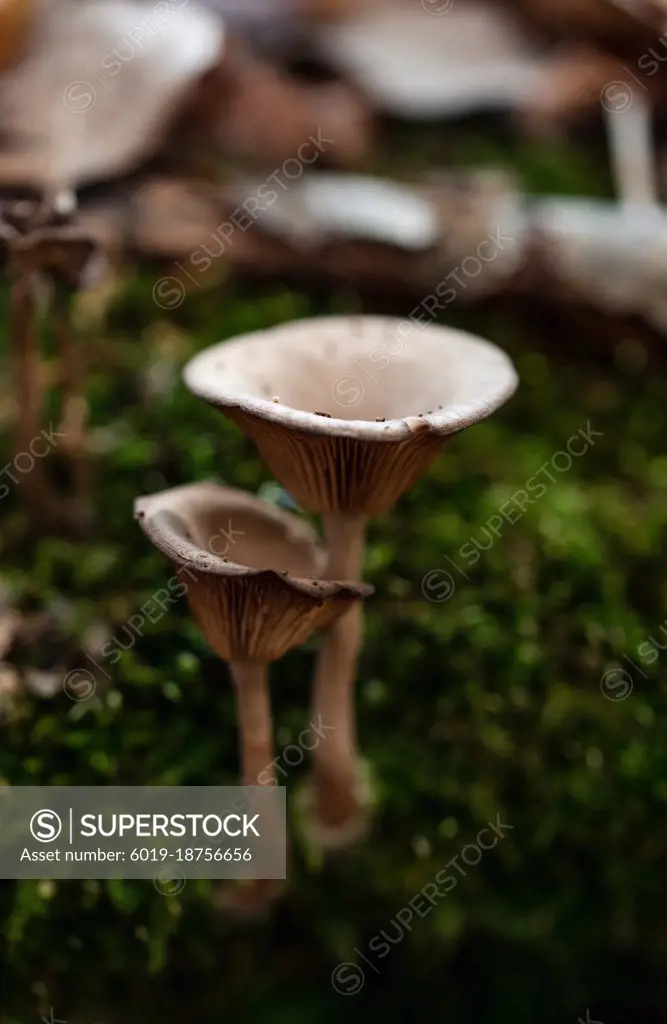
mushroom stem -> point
(632, 154)
(38, 491)
(22, 331)
(336, 774)
(74, 412)
(254, 708)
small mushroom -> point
(374, 376)
(48, 256)
(255, 604)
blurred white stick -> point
(631, 153)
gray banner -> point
(158, 832)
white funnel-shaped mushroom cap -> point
(412, 63)
(608, 254)
(250, 570)
(99, 84)
(348, 412)
(323, 207)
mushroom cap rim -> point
(441, 422)
(185, 553)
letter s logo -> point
(45, 826)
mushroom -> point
(391, 391)
(610, 255)
(107, 86)
(632, 154)
(98, 87)
(48, 255)
(253, 606)
(324, 207)
(477, 57)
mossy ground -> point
(486, 703)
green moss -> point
(486, 703)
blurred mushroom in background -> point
(413, 63)
(107, 85)
(322, 208)
(180, 118)
(543, 63)
(48, 261)
(98, 85)
(365, 230)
